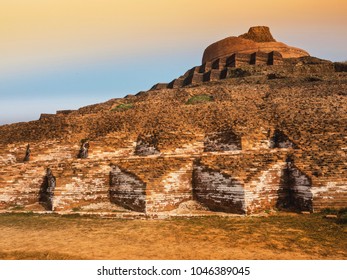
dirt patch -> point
(273, 237)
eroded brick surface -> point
(218, 191)
(127, 190)
(162, 152)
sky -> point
(65, 54)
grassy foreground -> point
(280, 236)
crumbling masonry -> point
(245, 132)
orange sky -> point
(41, 30)
(109, 48)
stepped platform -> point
(244, 133)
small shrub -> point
(17, 214)
(273, 76)
(340, 66)
(313, 79)
(123, 107)
(342, 216)
(84, 140)
(197, 99)
(239, 73)
(340, 213)
(329, 211)
(71, 216)
(18, 207)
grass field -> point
(279, 236)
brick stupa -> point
(258, 127)
(257, 39)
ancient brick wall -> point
(233, 181)
(258, 38)
(127, 190)
(227, 152)
(218, 191)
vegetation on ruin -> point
(340, 213)
(84, 140)
(276, 236)
(198, 99)
(273, 139)
(123, 107)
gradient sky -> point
(64, 54)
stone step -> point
(195, 69)
(224, 65)
(219, 63)
(275, 58)
(193, 79)
(205, 67)
(259, 58)
(159, 86)
(176, 83)
(238, 59)
(212, 75)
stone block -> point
(212, 75)
(219, 63)
(340, 66)
(147, 144)
(275, 58)
(127, 190)
(65, 112)
(192, 71)
(47, 116)
(176, 83)
(220, 141)
(193, 79)
(159, 86)
(205, 67)
(218, 191)
(259, 58)
(238, 59)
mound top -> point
(258, 34)
(257, 39)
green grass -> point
(17, 207)
(198, 99)
(340, 213)
(123, 107)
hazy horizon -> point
(67, 54)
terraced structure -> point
(245, 133)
